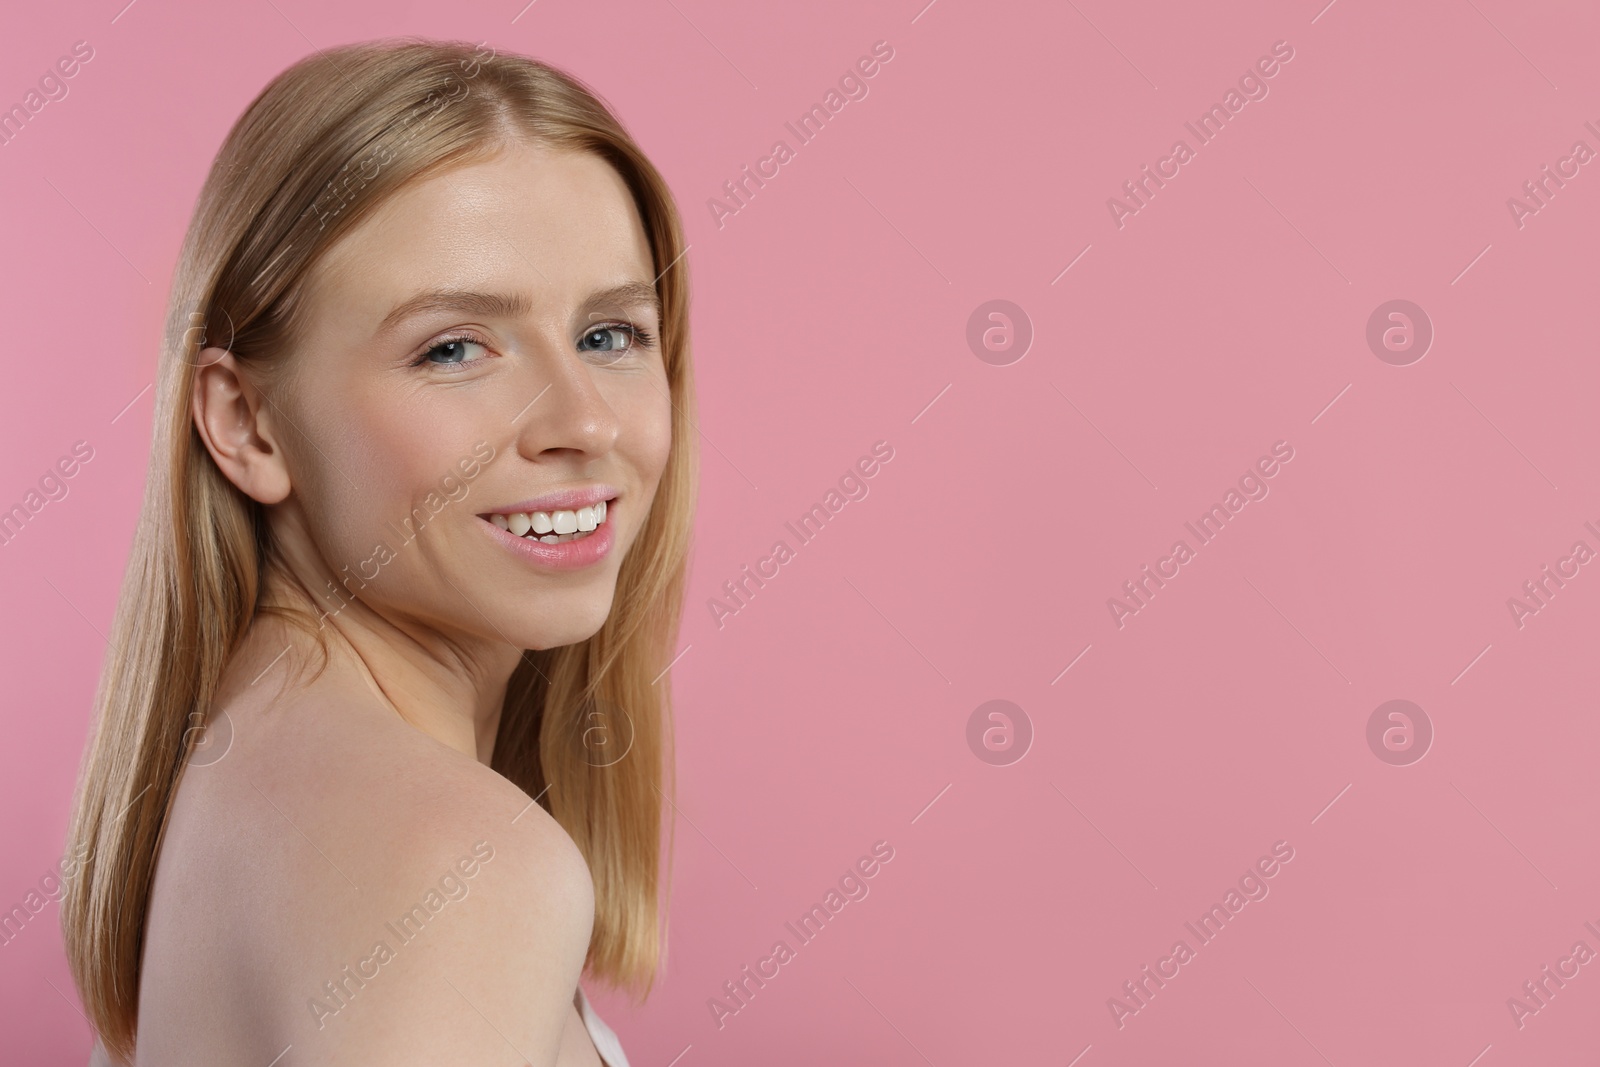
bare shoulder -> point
(344, 884)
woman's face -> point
(488, 338)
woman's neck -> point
(451, 687)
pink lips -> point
(567, 555)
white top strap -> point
(605, 1041)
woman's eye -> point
(608, 339)
(453, 352)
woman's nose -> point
(568, 411)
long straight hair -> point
(323, 145)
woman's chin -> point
(571, 628)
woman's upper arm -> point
(472, 952)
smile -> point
(552, 527)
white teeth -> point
(552, 527)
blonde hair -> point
(325, 143)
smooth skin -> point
(339, 805)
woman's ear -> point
(235, 422)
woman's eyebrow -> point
(514, 305)
(489, 305)
(628, 294)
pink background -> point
(828, 314)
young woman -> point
(383, 738)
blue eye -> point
(454, 350)
(604, 338)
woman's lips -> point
(572, 551)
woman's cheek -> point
(658, 420)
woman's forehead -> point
(559, 225)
